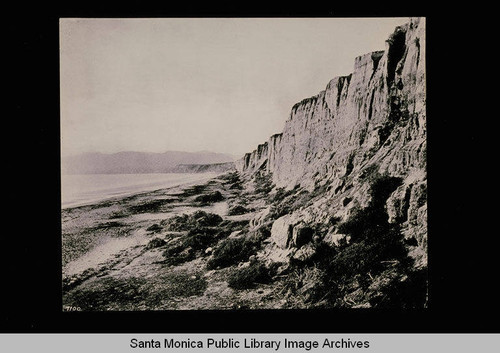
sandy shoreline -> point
(121, 195)
(115, 251)
(92, 215)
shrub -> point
(263, 232)
(364, 223)
(371, 222)
(232, 226)
(232, 179)
(287, 202)
(194, 190)
(373, 238)
(302, 286)
(237, 210)
(193, 244)
(375, 245)
(196, 220)
(215, 196)
(177, 223)
(248, 277)
(107, 225)
(204, 219)
(155, 243)
(236, 186)
(359, 258)
(231, 251)
(263, 183)
(150, 206)
(154, 228)
(205, 230)
(178, 254)
(119, 214)
(200, 239)
(280, 194)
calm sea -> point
(78, 190)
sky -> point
(200, 84)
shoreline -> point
(97, 200)
(97, 210)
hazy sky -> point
(223, 85)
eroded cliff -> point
(335, 145)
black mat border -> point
(462, 290)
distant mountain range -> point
(139, 162)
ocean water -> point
(78, 190)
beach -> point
(154, 250)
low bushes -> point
(202, 238)
(215, 196)
(154, 228)
(262, 232)
(187, 222)
(248, 277)
(194, 190)
(155, 243)
(232, 226)
(231, 178)
(152, 206)
(285, 202)
(111, 224)
(234, 180)
(203, 230)
(178, 254)
(238, 210)
(263, 183)
(300, 286)
(204, 219)
(374, 263)
(231, 251)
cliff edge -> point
(356, 148)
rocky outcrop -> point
(372, 121)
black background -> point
(462, 255)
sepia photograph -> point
(243, 164)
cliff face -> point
(372, 121)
